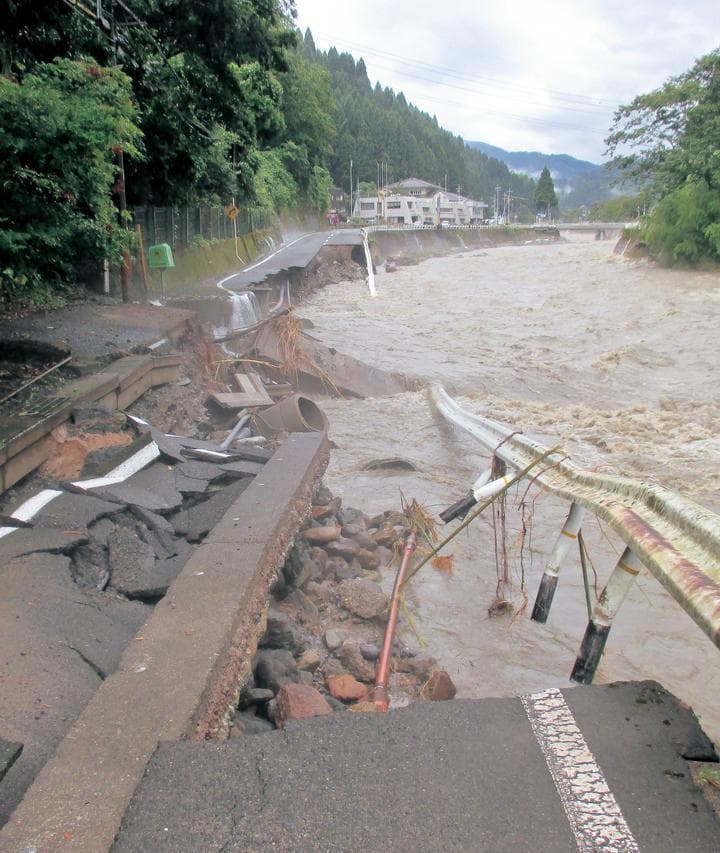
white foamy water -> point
(615, 359)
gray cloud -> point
(521, 74)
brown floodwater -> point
(615, 359)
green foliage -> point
(622, 208)
(684, 226)
(669, 140)
(59, 129)
(544, 197)
(376, 125)
(275, 188)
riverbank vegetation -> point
(667, 141)
(202, 104)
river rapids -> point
(614, 359)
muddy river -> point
(571, 344)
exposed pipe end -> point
(460, 508)
(544, 599)
(379, 698)
(591, 650)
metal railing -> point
(182, 227)
(677, 540)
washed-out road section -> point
(180, 675)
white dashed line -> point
(592, 810)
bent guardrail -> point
(677, 540)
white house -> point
(417, 202)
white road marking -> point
(263, 261)
(28, 509)
(125, 469)
(591, 808)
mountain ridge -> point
(577, 182)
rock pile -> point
(326, 621)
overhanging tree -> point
(669, 140)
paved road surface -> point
(489, 775)
(296, 253)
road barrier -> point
(677, 540)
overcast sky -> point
(523, 75)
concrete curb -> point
(181, 675)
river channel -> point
(613, 358)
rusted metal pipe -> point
(382, 671)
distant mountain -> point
(577, 182)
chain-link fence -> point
(184, 226)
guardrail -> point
(677, 540)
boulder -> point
(347, 549)
(363, 598)
(298, 701)
(346, 688)
(333, 639)
(353, 661)
(274, 668)
(439, 687)
(321, 535)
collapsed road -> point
(313, 785)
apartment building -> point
(417, 202)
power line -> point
(570, 97)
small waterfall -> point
(245, 310)
(462, 242)
(369, 263)
(270, 243)
(417, 241)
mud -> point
(616, 359)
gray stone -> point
(370, 651)
(332, 666)
(350, 531)
(420, 665)
(307, 610)
(71, 512)
(280, 633)
(349, 515)
(250, 724)
(366, 541)
(275, 667)
(363, 598)
(347, 571)
(351, 657)
(368, 560)
(320, 556)
(333, 639)
(344, 548)
(258, 694)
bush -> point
(60, 129)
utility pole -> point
(351, 188)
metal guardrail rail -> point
(677, 540)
